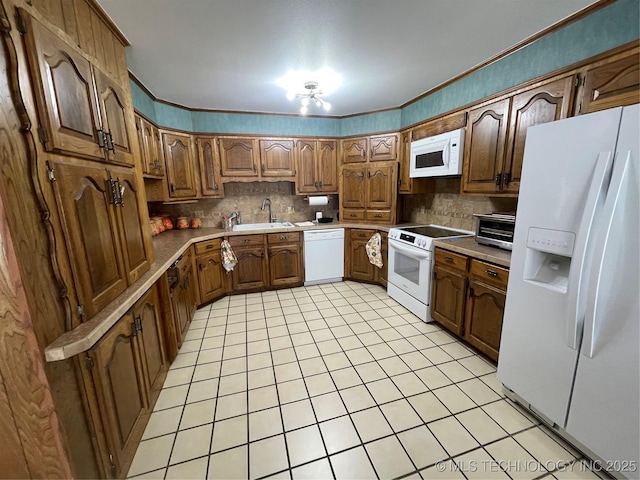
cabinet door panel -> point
(355, 150)
(483, 317)
(179, 161)
(121, 390)
(307, 180)
(540, 105)
(209, 167)
(352, 194)
(384, 148)
(484, 147)
(151, 147)
(66, 103)
(210, 276)
(328, 166)
(238, 157)
(89, 224)
(276, 158)
(136, 258)
(147, 314)
(250, 271)
(381, 187)
(447, 299)
(361, 268)
(611, 85)
(285, 265)
(113, 112)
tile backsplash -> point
(246, 198)
(444, 207)
(449, 208)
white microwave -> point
(437, 156)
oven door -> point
(410, 270)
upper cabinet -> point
(209, 164)
(180, 162)
(611, 84)
(369, 192)
(317, 166)
(82, 112)
(239, 157)
(276, 158)
(264, 158)
(151, 149)
(496, 132)
(374, 148)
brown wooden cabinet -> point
(406, 184)
(357, 265)
(285, 259)
(184, 295)
(612, 83)
(239, 157)
(211, 280)
(251, 273)
(382, 274)
(383, 147)
(209, 163)
(317, 166)
(151, 149)
(102, 228)
(496, 132)
(277, 157)
(180, 163)
(369, 192)
(128, 366)
(82, 111)
(354, 150)
(468, 297)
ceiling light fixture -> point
(311, 96)
(298, 85)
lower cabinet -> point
(468, 297)
(184, 295)
(285, 260)
(128, 366)
(273, 260)
(211, 280)
(357, 264)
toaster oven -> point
(495, 229)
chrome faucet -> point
(264, 203)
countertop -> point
(469, 246)
(168, 246)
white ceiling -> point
(228, 54)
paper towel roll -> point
(319, 200)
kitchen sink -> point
(261, 226)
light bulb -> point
(327, 106)
(303, 110)
(291, 95)
(318, 102)
(305, 101)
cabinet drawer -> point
(489, 273)
(242, 240)
(208, 246)
(378, 215)
(451, 260)
(283, 237)
(184, 264)
(352, 215)
(358, 234)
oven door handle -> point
(410, 251)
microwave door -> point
(430, 159)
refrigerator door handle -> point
(577, 280)
(607, 230)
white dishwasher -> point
(323, 256)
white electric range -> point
(411, 265)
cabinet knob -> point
(378, 215)
(210, 246)
(448, 259)
(246, 240)
(353, 215)
(491, 273)
(498, 179)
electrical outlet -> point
(422, 210)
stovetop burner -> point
(422, 236)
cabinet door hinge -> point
(22, 27)
(471, 292)
(81, 311)
(42, 135)
(90, 362)
(50, 173)
(113, 467)
(138, 321)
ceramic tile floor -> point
(337, 381)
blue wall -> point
(607, 28)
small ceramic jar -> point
(182, 223)
(168, 224)
(196, 222)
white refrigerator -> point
(570, 339)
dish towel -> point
(373, 250)
(229, 258)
